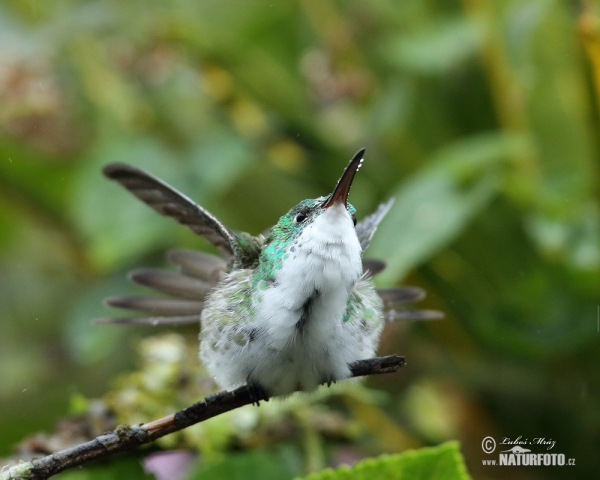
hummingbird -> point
(281, 312)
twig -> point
(126, 437)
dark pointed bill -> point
(340, 193)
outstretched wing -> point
(183, 290)
(367, 226)
(179, 294)
(169, 202)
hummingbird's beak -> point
(340, 193)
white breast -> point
(294, 336)
(302, 313)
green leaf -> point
(433, 207)
(443, 462)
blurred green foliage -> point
(479, 116)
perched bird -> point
(281, 313)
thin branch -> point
(126, 437)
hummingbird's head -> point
(315, 242)
(335, 207)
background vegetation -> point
(479, 116)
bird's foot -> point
(329, 381)
(257, 393)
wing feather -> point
(367, 226)
(171, 282)
(198, 274)
(152, 321)
(203, 266)
(394, 315)
(163, 305)
(169, 202)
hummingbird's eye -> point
(300, 217)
